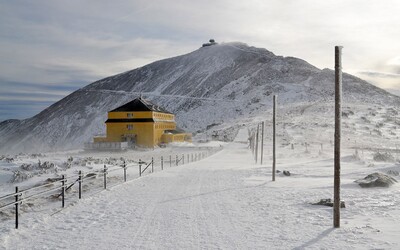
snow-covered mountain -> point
(215, 88)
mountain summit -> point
(221, 84)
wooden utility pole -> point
(338, 113)
(262, 142)
(274, 139)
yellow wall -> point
(148, 134)
(124, 115)
(100, 139)
(142, 130)
(182, 137)
(163, 116)
(159, 129)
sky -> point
(50, 48)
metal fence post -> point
(124, 172)
(152, 164)
(140, 167)
(80, 184)
(63, 191)
(183, 159)
(105, 177)
(16, 207)
(176, 160)
(170, 161)
(162, 163)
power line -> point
(159, 95)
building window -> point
(129, 126)
(129, 115)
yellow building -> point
(141, 123)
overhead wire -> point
(159, 95)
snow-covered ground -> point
(226, 201)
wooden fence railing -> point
(58, 187)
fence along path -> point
(71, 188)
(182, 208)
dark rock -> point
(287, 173)
(393, 172)
(91, 175)
(329, 203)
(385, 157)
(50, 180)
(376, 180)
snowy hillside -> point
(213, 91)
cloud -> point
(73, 43)
(380, 74)
(385, 80)
(20, 100)
(21, 109)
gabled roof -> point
(140, 104)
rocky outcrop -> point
(376, 180)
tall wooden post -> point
(262, 143)
(16, 207)
(338, 113)
(274, 139)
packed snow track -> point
(222, 202)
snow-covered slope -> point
(215, 88)
(222, 202)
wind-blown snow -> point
(226, 202)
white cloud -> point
(77, 42)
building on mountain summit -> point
(139, 123)
(210, 43)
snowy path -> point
(223, 202)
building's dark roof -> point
(140, 104)
(132, 120)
